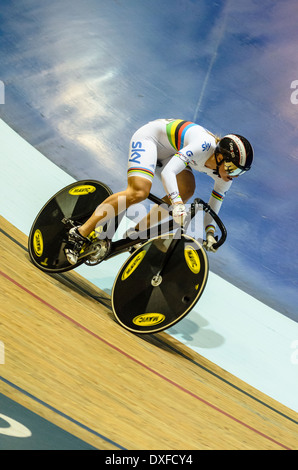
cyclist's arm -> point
(215, 202)
(169, 174)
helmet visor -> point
(232, 169)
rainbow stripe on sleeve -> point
(140, 170)
(217, 195)
(176, 132)
(210, 228)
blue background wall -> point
(81, 76)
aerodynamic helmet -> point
(237, 154)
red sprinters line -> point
(188, 392)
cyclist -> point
(172, 148)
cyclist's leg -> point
(141, 168)
(138, 189)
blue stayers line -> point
(61, 414)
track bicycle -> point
(162, 279)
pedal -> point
(96, 252)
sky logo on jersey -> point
(136, 152)
(206, 146)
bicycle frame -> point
(74, 204)
(122, 245)
(182, 255)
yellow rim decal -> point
(192, 259)
(149, 319)
(133, 265)
(82, 190)
(38, 243)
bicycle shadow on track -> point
(185, 332)
(194, 329)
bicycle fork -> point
(157, 278)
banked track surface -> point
(68, 361)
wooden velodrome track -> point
(67, 360)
